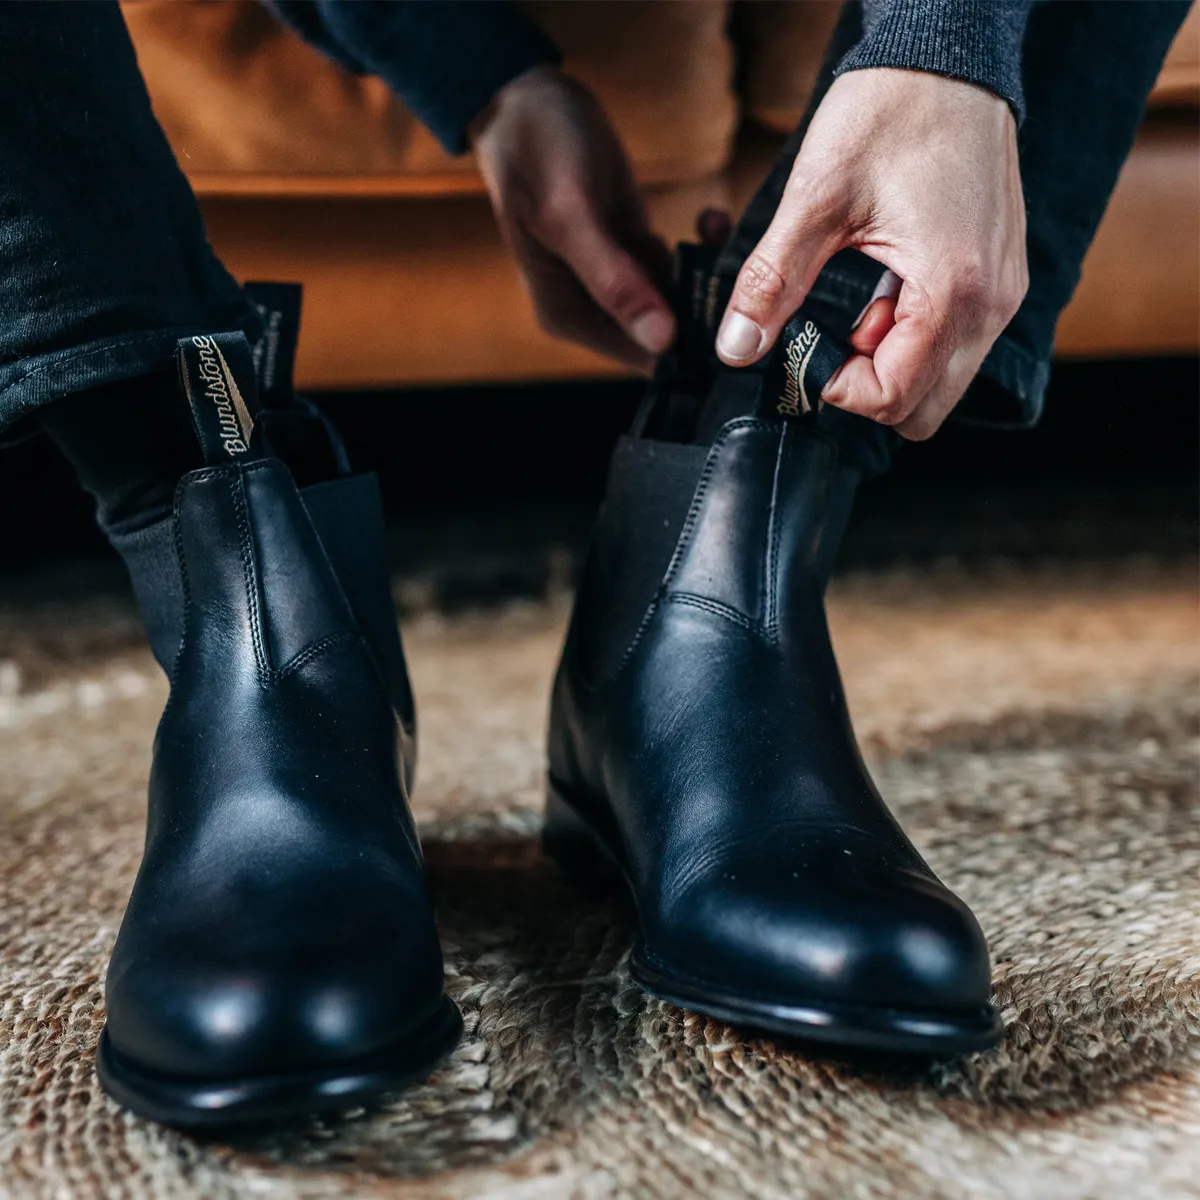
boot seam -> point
(199, 476)
(718, 609)
(267, 674)
(685, 535)
(202, 475)
(570, 654)
(771, 564)
(689, 524)
(246, 553)
(177, 542)
(313, 649)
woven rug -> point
(1034, 729)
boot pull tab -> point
(216, 371)
(278, 308)
(805, 359)
(293, 427)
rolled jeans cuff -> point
(1010, 390)
(30, 382)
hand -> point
(564, 195)
(919, 172)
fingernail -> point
(888, 285)
(653, 331)
(739, 338)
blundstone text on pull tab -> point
(217, 374)
(804, 361)
(274, 353)
(796, 357)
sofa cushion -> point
(251, 109)
(1179, 81)
(783, 43)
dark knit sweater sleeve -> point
(976, 40)
(445, 59)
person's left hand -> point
(564, 195)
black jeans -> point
(104, 262)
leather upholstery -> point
(258, 121)
(713, 766)
(260, 112)
(784, 46)
(1178, 83)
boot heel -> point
(567, 840)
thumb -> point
(777, 276)
(619, 285)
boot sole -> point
(591, 861)
(208, 1104)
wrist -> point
(530, 85)
(975, 41)
(910, 102)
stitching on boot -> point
(717, 609)
(689, 525)
(246, 552)
(771, 566)
(313, 649)
(685, 534)
(177, 542)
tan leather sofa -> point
(308, 173)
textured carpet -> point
(1036, 732)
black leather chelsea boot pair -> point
(278, 955)
(700, 749)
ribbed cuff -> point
(979, 41)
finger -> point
(620, 286)
(565, 310)
(876, 322)
(927, 418)
(774, 280)
(887, 286)
(906, 364)
(713, 226)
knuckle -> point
(618, 295)
(976, 285)
(917, 431)
(548, 227)
(934, 311)
(760, 284)
(819, 200)
(890, 414)
(895, 402)
(892, 409)
(558, 214)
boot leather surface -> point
(278, 953)
(713, 765)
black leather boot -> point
(278, 955)
(701, 751)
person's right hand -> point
(920, 172)
(562, 190)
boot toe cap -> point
(203, 1017)
(894, 940)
